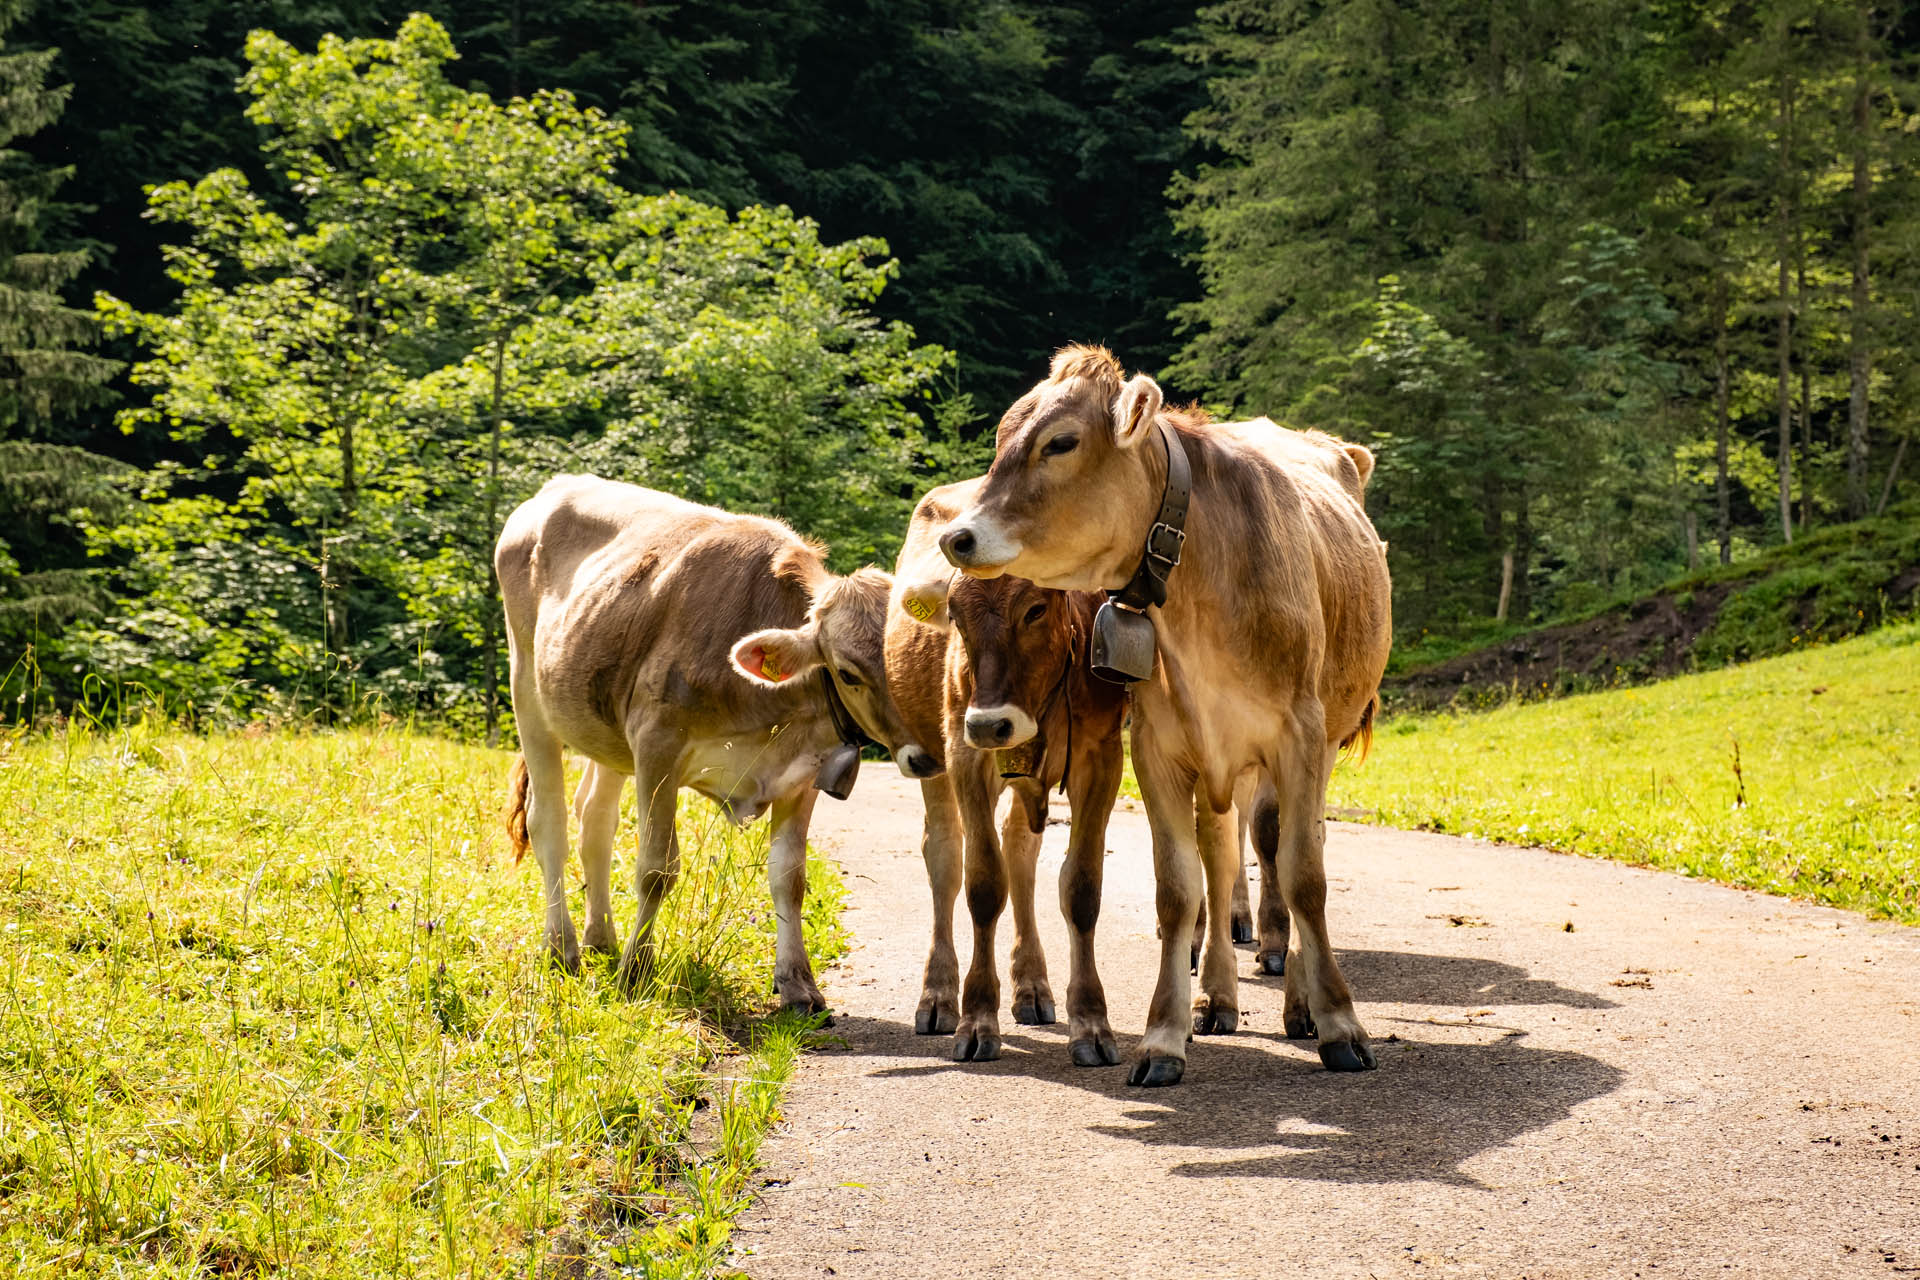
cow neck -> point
(1168, 533)
(1062, 688)
(844, 724)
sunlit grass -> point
(1797, 775)
(277, 1003)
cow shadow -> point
(1261, 1106)
(1396, 977)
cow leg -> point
(1216, 1011)
(1317, 1000)
(1167, 788)
(941, 848)
(1093, 786)
(1265, 829)
(977, 1038)
(657, 793)
(546, 815)
(1242, 917)
(597, 802)
(1020, 849)
(787, 880)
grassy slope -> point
(1838, 581)
(1828, 743)
(276, 1004)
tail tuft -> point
(516, 811)
(1360, 741)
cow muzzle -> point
(978, 547)
(915, 762)
(991, 728)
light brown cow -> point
(1270, 650)
(996, 672)
(626, 611)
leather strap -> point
(1148, 586)
(843, 722)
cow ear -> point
(926, 602)
(772, 658)
(1134, 412)
(1362, 461)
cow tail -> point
(516, 811)
(1360, 741)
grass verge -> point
(276, 1004)
(1797, 775)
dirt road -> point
(1693, 1081)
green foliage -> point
(1796, 775)
(460, 302)
(276, 1003)
(1542, 252)
(46, 486)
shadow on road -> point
(1395, 977)
(1268, 1108)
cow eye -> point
(1036, 613)
(850, 678)
(1058, 445)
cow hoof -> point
(976, 1046)
(1273, 963)
(1033, 1009)
(1243, 928)
(935, 1020)
(1095, 1051)
(1157, 1071)
(1347, 1055)
(1300, 1027)
(1213, 1019)
(565, 962)
(809, 1009)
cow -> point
(996, 673)
(632, 618)
(1270, 647)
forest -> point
(300, 299)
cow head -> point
(1019, 641)
(1075, 480)
(845, 632)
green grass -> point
(1797, 775)
(276, 1003)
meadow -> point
(276, 1002)
(1797, 775)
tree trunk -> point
(336, 562)
(1522, 557)
(490, 630)
(1806, 392)
(1722, 491)
(1783, 337)
(1893, 469)
(1693, 542)
(1860, 353)
(1506, 585)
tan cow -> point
(1271, 646)
(996, 673)
(626, 611)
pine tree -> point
(43, 373)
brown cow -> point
(996, 672)
(626, 610)
(1270, 650)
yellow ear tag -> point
(920, 609)
(770, 668)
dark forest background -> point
(1615, 290)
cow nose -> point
(958, 546)
(916, 763)
(988, 729)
